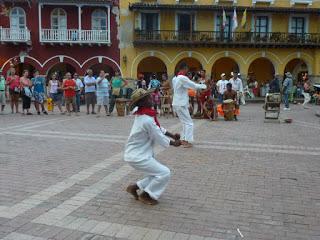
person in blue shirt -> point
(154, 82)
(287, 87)
(39, 86)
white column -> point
(109, 30)
(40, 21)
(79, 22)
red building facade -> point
(59, 35)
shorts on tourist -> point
(91, 98)
(70, 100)
(56, 97)
(103, 100)
(13, 95)
(2, 98)
(38, 97)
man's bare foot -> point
(183, 142)
(146, 199)
(132, 189)
(188, 145)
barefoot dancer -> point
(145, 132)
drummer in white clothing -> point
(181, 83)
(145, 133)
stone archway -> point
(151, 65)
(261, 70)
(193, 64)
(224, 65)
(297, 67)
(61, 69)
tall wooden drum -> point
(121, 106)
(228, 109)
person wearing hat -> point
(3, 91)
(237, 86)
(181, 83)
(286, 89)
(222, 86)
(145, 133)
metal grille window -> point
(262, 24)
(150, 21)
(59, 19)
(227, 28)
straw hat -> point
(137, 95)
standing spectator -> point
(154, 82)
(237, 86)
(103, 87)
(90, 91)
(275, 84)
(13, 81)
(69, 86)
(26, 84)
(3, 91)
(156, 97)
(116, 83)
(79, 89)
(140, 79)
(39, 85)
(306, 90)
(55, 91)
(286, 89)
(222, 87)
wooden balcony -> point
(219, 39)
(15, 36)
(75, 36)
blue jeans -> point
(286, 99)
(220, 98)
(78, 95)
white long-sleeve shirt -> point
(222, 86)
(144, 135)
(237, 85)
(181, 84)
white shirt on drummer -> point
(143, 136)
(237, 85)
(180, 85)
(222, 85)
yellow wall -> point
(208, 56)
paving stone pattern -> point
(63, 178)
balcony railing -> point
(218, 38)
(75, 36)
(14, 35)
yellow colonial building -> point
(273, 36)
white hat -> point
(223, 74)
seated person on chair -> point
(230, 94)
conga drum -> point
(121, 106)
(228, 109)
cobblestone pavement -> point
(63, 178)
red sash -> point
(148, 111)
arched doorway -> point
(193, 64)
(101, 66)
(261, 70)
(297, 67)
(224, 65)
(61, 69)
(151, 65)
(20, 67)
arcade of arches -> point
(224, 65)
(100, 66)
(151, 65)
(61, 69)
(261, 70)
(297, 67)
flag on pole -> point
(224, 19)
(234, 21)
(244, 19)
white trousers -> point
(157, 177)
(307, 98)
(187, 123)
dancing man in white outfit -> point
(180, 103)
(146, 132)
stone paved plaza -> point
(64, 178)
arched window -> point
(99, 20)
(58, 19)
(17, 18)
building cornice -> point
(192, 7)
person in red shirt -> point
(13, 81)
(69, 88)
